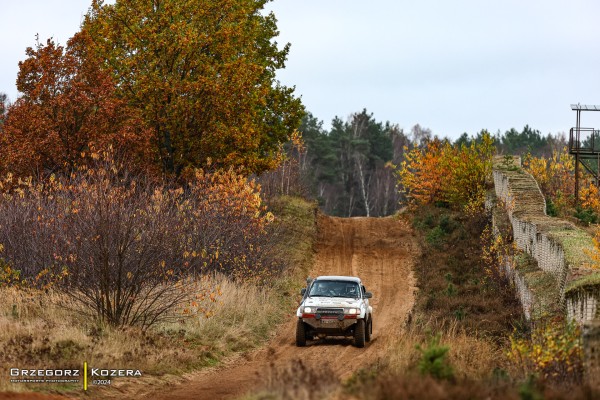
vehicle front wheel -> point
(300, 334)
(369, 330)
(359, 333)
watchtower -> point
(584, 144)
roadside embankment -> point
(551, 268)
(551, 264)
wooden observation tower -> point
(584, 144)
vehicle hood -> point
(331, 302)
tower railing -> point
(584, 144)
(584, 141)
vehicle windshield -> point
(334, 289)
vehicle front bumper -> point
(330, 324)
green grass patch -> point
(589, 283)
(576, 244)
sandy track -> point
(379, 250)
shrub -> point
(129, 250)
(447, 224)
(551, 209)
(435, 236)
(496, 252)
(553, 352)
(434, 360)
(460, 313)
(508, 163)
(586, 215)
(451, 290)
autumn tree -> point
(422, 173)
(202, 75)
(470, 168)
(67, 104)
(440, 172)
(556, 177)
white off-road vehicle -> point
(334, 306)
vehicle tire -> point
(369, 330)
(300, 334)
(359, 333)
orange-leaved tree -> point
(556, 177)
(235, 238)
(67, 105)
(590, 197)
(202, 75)
(442, 172)
(590, 200)
(422, 174)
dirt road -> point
(379, 250)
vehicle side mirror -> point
(302, 291)
(368, 295)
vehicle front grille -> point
(330, 311)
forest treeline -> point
(351, 168)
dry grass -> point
(408, 386)
(470, 356)
(234, 325)
(298, 381)
(36, 330)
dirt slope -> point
(379, 250)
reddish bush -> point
(129, 250)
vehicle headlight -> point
(353, 311)
(307, 309)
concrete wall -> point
(582, 307)
(526, 296)
(559, 247)
(591, 352)
(554, 274)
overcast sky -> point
(453, 66)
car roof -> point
(338, 278)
